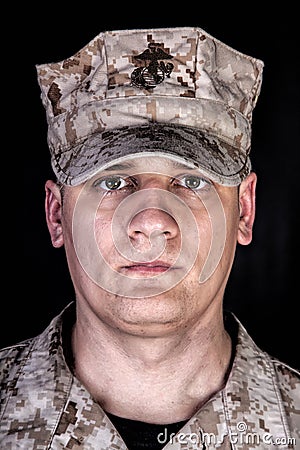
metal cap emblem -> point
(154, 70)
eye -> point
(193, 182)
(114, 183)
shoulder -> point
(285, 371)
(288, 380)
(28, 359)
(13, 356)
(257, 360)
(12, 361)
(37, 347)
(270, 382)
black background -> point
(263, 289)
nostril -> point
(152, 222)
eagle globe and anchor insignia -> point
(154, 70)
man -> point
(149, 133)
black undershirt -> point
(144, 436)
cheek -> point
(232, 223)
(217, 226)
(103, 234)
(205, 232)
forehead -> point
(159, 164)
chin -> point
(155, 328)
(159, 314)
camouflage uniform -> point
(43, 406)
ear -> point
(247, 193)
(53, 209)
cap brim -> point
(220, 161)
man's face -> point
(150, 243)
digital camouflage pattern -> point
(200, 89)
(43, 406)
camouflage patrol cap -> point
(173, 91)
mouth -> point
(151, 268)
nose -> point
(152, 221)
(153, 214)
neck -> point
(160, 379)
